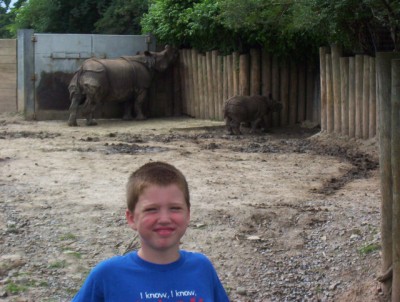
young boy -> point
(158, 208)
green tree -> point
(229, 25)
(122, 17)
(56, 16)
(7, 16)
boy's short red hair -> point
(154, 173)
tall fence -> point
(348, 94)
(388, 93)
(207, 80)
(8, 75)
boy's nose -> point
(164, 216)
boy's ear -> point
(130, 218)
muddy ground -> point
(290, 215)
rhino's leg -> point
(73, 110)
(228, 125)
(91, 107)
(141, 97)
(89, 118)
(236, 127)
(128, 105)
(254, 125)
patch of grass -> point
(74, 254)
(14, 288)
(68, 236)
(58, 264)
(369, 248)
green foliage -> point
(56, 16)
(81, 16)
(229, 25)
(122, 17)
(286, 28)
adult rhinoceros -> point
(124, 79)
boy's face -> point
(161, 217)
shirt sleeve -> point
(90, 290)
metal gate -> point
(50, 60)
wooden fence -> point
(8, 75)
(207, 80)
(348, 94)
(388, 95)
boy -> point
(158, 208)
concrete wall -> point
(8, 75)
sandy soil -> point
(290, 215)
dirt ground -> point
(289, 215)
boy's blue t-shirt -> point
(129, 278)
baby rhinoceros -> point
(253, 109)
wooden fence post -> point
(359, 95)
(210, 86)
(352, 97)
(292, 108)
(201, 84)
(190, 81)
(266, 74)
(372, 99)
(365, 98)
(383, 73)
(230, 76)
(177, 92)
(284, 93)
(344, 87)
(235, 89)
(225, 92)
(275, 88)
(215, 84)
(220, 95)
(329, 95)
(196, 87)
(206, 99)
(395, 146)
(244, 75)
(322, 63)
(183, 82)
(337, 115)
(255, 72)
(312, 113)
(301, 94)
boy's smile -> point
(161, 217)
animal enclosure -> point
(207, 80)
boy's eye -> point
(150, 210)
(176, 208)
